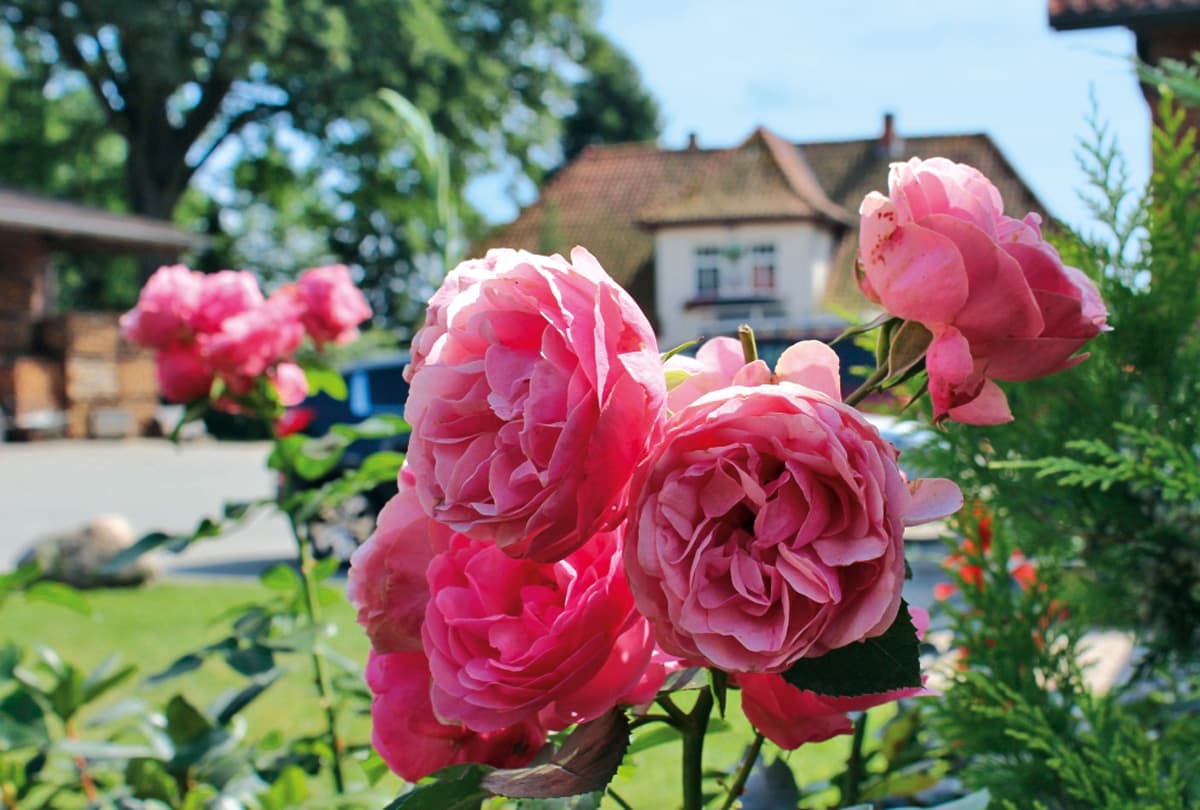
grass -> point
(153, 626)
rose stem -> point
(854, 765)
(693, 751)
(739, 784)
(749, 346)
(860, 393)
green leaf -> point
(253, 660)
(280, 577)
(150, 780)
(185, 723)
(59, 594)
(718, 682)
(146, 543)
(18, 579)
(105, 677)
(456, 788)
(326, 379)
(229, 704)
(909, 343)
(181, 665)
(290, 789)
(876, 665)
(94, 749)
(326, 568)
(22, 722)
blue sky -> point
(826, 70)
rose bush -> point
(536, 387)
(219, 326)
(768, 524)
(997, 298)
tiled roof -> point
(607, 196)
(765, 178)
(1068, 14)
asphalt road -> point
(48, 487)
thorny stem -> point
(693, 751)
(854, 765)
(739, 782)
(312, 609)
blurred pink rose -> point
(789, 716)
(223, 295)
(164, 309)
(333, 305)
(251, 342)
(768, 525)
(183, 374)
(512, 640)
(414, 743)
(536, 389)
(386, 582)
(996, 296)
(289, 382)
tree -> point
(611, 105)
(178, 78)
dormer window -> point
(735, 272)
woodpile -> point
(82, 378)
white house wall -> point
(803, 253)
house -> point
(1164, 29)
(69, 373)
(764, 232)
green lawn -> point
(153, 626)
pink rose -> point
(536, 389)
(164, 309)
(251, 342)
(512, 640)
(289, 383)
(333, 306)
(222, 296)
(183, 374)
(789, 716)
(414, 743)
(768, 525)
(999, 301)
(386, 582)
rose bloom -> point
(512, 640)
(182, 372)
(251, 342)
(536, 389)
(768, 525)
(223, 295)
(789, 716)
(997, 297)
(411, 739)
(164, 309)
(386, 583)
(333, 305)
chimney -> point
(693, 142)
(890, 143)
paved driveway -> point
(53, 486)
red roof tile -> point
(1070, 14)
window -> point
(762, 263)
(708, 272)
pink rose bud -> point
(768, 525)
(164, 309)
(183, 375)
(415, 743)
(999, 301)
(512, 640)
(289, 382)
(536, 389)
(222, 296)
(333, 306)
